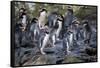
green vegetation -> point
(86, 12)
(81, 12)
(71, 59)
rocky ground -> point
(55, 55)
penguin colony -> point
(49, 30)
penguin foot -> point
(42, 52)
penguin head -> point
(70, 9)
(34, 20)
(85, 22)
(43, 10)
(47, 31)
(21, 10)
(60, 18)
(75, 22)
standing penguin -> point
(45, 40)
(57, 29)
(60, 24)
(52, 23)
(52, 19)
(23, 19)
(68, 17)
(87, 31)
(42, 18)
(33, 28)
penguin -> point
(42, 18)
(52, 19)
(70, 39)
(87, 31)
(34, 29)
(68, 18)
(23, 18)
(45, 41)
(57, 34)
(60, 26)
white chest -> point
(24, 19)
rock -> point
(50, 50)
(45, 59)
(91, 51)
(59, 61)
(23, 55)
(87, 58)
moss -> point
(71, 59)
